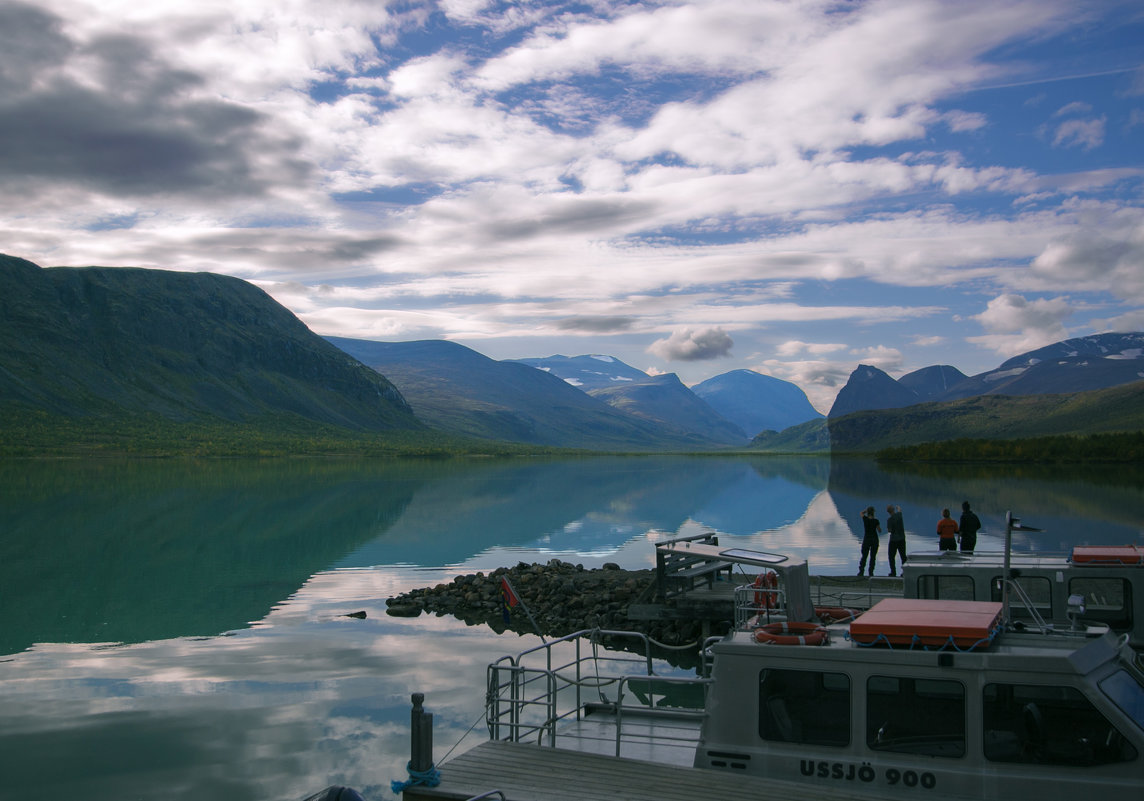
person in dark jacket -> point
(871, 528)
(896, 527)
(969, 526)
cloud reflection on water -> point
(301, 696)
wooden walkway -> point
(526, 772)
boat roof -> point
(1081, 556)
(915, 631)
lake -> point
(179, 630)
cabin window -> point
(1106, 600)
(1048, 726)
(1038, 589)
(1127, 694)
(952, 588)
(804, 706)
(915, 716)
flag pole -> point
(508, 589)
(1010, 524)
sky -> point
(794, 187)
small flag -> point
(507, 594)
(508, 598)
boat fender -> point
(766, 586)
(791, 634)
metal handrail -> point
(682, 681)
(523, 700)
(1016, 588)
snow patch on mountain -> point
(997, 376)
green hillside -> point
(985, 417)
(137, 353)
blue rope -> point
(916, 642)
(429, 778)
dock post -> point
(421, 737)
(420, 768)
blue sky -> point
(692, 187)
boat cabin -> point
(1091, 584)
(921, 698)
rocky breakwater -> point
(562, 598)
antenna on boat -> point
(1010, 524)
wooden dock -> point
(524, 772)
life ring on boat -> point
(766, 590)
(835, 614)
(791, 634)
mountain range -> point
(1087, 363)
(457, 390)
(151, 345)
(750, 401)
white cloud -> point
(1076, 107)
(887, 359)
(1086, 134)
(690, 346)
(965, 120)
(1125, 323)
(565, 172)
(1102, 248)
(794, 347)
(1016, 325)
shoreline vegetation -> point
(41, 435)
(38, 435)
(1114, 448)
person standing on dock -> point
(946, 532)
(871, 528)
(896, 527)
(969, 526)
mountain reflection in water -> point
(177, 629)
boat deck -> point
(524, 772)
(717, 600)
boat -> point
(1090, 585)
(913, 698)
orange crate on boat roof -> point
(1107, 555)
(928, 623)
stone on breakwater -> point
(563, 598)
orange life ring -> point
(766, 590)
(834, 614)
(791, 634)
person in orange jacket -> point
(946, 532)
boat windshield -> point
(1127, 693)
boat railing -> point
(752, 609)
(661, 734)
(757, 605)
(543, 691)
(862, 596)
(982, 555)
(1016, 591)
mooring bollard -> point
(421, 737)
(420, 768)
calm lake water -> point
(178, 630)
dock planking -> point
(525, 772)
